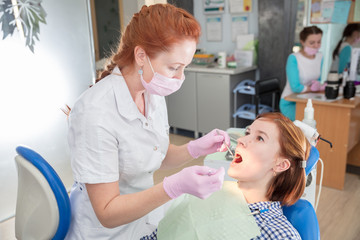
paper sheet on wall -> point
(321, 11)
(242, 41)
(239, 26)
(214, 28)
(341, 12)
(240, 6)
(327, 10)
(357, 11)
(214, 6)
(224, 215)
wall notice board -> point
(331, 11)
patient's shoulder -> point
(272, 222)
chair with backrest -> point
(43, 205)
(265, 87)
(302, 214)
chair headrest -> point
(312, 160)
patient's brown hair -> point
(288, 186)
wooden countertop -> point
(318, 98)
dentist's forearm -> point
(114, 211)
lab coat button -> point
(155, 148)
(146, 124)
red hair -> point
(155, 28)
(289, 185)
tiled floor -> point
(338, 212)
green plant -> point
(29, 14)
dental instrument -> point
(258, 211)
(232, 154)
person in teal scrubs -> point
(303, 69)
(342, 52)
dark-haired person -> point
(342, 52)
(119, 131)
(303, 69)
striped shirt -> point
(272, 222)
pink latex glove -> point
(200, 181)
(210, 143)
(316, 86)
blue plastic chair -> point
(302, 214)
(43, 206)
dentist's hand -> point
(210, 143)
(200, 181)
(317, 86)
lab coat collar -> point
(126, 105)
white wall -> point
(130, 7)
(35, 86)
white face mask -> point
(161, 85)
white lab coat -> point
(110, 140)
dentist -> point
(119, 132)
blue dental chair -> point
(302, 214)
(43, 206)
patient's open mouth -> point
(237, 158)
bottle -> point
(309, 114)
(345, 75)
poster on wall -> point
(356, 17)
(214, 28)
(329, 11)
(239, 26)
(214, 6)
(321, 11)
(240, 6)
(341, 12)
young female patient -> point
(268, 169)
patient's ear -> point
(282, 164)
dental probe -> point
(258, 211)
(226, 145)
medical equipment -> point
(43, 206)
(259, 211)
(309, 114)
(310, 133)
(332, 87)
(227, 147)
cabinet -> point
(182, 106)
(205, 100)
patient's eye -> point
(260, 138)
